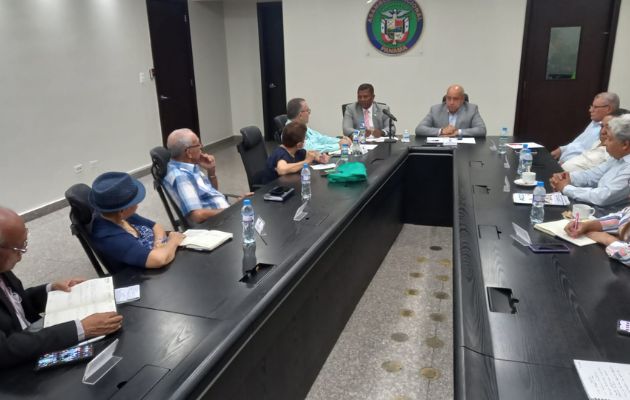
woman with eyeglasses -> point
(121, 236)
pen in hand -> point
(576, 222)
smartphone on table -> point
(65, 357)
(549, 248)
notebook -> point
(556, 228)
(202, 239)
(604, 380)
(279, 193)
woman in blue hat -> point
(120, 235)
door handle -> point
(272, 85)
(162, 97)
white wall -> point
(207, 32)
(71, 94)
(243, 57)
(476, 43)
(620, 69)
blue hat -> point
(115, 191)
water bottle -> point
(247, 212)
(524, 160)
(362, 133)
(405, 138)
(356, 147)
(345, 153)
(537, 214)
(306, 182)
(503, 140)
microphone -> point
(386, 112)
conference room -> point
(83, 97)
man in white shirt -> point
(603, 104)
(366, 110)
(608, 184)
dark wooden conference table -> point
(207, 328)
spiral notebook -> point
(604, 380)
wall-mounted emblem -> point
(394, 26)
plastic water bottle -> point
(247, 212)
(524, 160)
(405, 138)
(345, 153)
(362, 132)
(306, 182)
(356, 147)
(537, 214)
(503, 140)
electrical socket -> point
(93, 164)
(78, 168)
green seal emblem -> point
(394, 26)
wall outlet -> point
(93, 164)
(78, 168)
(142, 77)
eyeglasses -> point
(308, 110)
(193, 146)
(22, 249)
(594, 106)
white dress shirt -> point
(583, 142)
(605, 185)
(588, 159)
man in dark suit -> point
(20, 308)
(454, 117)
(367, 111)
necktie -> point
(366, 119)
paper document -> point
(518, 146)
(86, 298)
(551, 199)
(318, 167)
(446, 140)
(202, 239)
(556, 228)
(379, 140)
(127, 294)
(367, 147)
(604, 380)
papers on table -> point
(86, 298)
(604, 380)
(518, 146)
(379, 140)
(556, 228)
(367, 147)
(451, 141)
(551, 199)
(202, 239)
(318, 167)
(127, 294)
(364, 149)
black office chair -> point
(81, 215)
(254, 156)
(343, 108)
(279, 122)
(465, 98)
(160, 156)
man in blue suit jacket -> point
(454, 117)
(369, 112)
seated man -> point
(197, 196)
(367, 111)
(298, 111)
(603, 104)
(20, 308)
(607, 184)
(453, 117)
(597, 153)
(290, 157)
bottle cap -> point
(540, 183)
(525, 145)
(305, 165)
(247, 202)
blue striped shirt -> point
(191, 188)
(613, 224)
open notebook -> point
(604, 380)
(202, 239)
(556, 228)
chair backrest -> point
(343, 108)
(81, 215)
(160, 156)
(254, 156)
(465, 98)
(279, 122)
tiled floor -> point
(398, 343)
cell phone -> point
(65, 357)
(549, 248)
(623, 327)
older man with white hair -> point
(607, 184)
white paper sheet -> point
(604, 380)
(127, 294)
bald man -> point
(454, 117)
(195, 191)
(19, 309)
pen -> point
(576, 222)
(96, 339)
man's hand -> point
(67, 284)
(248, 194)
(377, 133)
(311, 156)
(449, 131)
(559, 180)
(345, 140)
(323, 158)
(556, 153)
(207, 162)
(101, 324)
